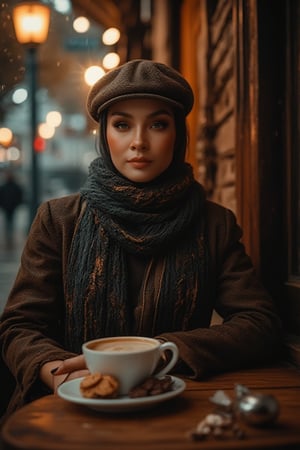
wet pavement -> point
(10, 253)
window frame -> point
(292, 284)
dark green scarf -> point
(161, 219)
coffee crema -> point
(123, 345)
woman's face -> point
(141, 137)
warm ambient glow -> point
(54, 119)
(46, 131)
(81, 24)
(93, 74)
(111, 60)
(111, 36)
(31, 22)
(6, 136)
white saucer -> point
(70, 391)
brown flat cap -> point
(140, 78)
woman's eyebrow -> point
(120, 113)
(153, 114)
(160, 112)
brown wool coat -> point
(32, 325)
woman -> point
(139, 251)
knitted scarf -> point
(161, 219)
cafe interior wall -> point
(244, 70)
(206, 61)
(219, 55)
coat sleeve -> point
(250, 332)
(31, 326)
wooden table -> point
(52, 423)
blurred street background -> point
(10, 253)
(47, 139)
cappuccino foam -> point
(123, 345)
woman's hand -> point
(55, 373)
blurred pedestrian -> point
(11, 196)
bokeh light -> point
(111, 36)
(19, 96)
(46, 131)
(81, 24)
(62, 6)
(93, 74)
(54, 119)
(13, 154)
(111, 60)
(6, 136)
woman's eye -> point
(121, 125)
(160, 124)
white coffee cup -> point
(131, 359)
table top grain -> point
(52, 423)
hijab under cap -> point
(140, 78)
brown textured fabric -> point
(140, 78)
(122, 217)
(32, 325)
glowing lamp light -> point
(46, 131)
(111, 60)
(81, 24)
(31, 22)
(93, 74)
(6, 136)
(111, 36)
(54, 119)
(19, 96)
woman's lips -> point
(139, 163)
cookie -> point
(97, 385)
(90, 380)
(108, 387)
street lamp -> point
(31, 23)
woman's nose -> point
(138, 141)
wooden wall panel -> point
(190, 30)
(215, 147)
